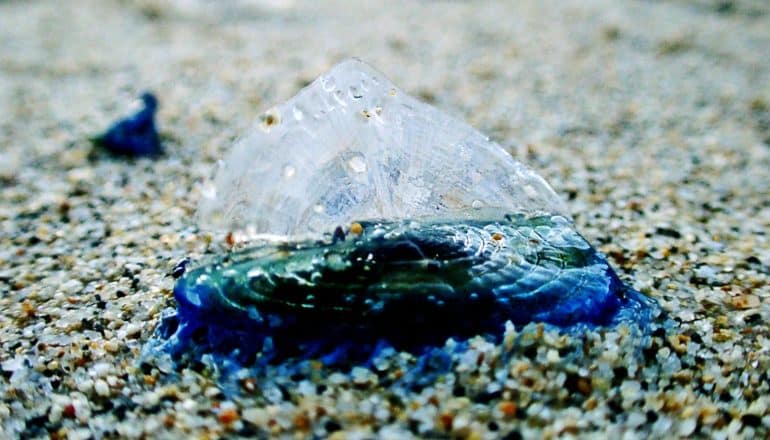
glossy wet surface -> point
(410, 285)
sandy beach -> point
(650, 119)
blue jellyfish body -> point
(440, 260)
(409, 285)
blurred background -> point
(629, 109)
(587, 75)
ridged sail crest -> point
(350, 147)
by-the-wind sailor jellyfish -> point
(399, 225)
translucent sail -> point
(351, 147)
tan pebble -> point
(723, 335)
(61, 434)
(518, 368)
(683, 376)
(757, 407)
(600, 384)
(111, 346)
(708, 415)
(679, 343)
(672, 403)
(474, 435)
(570, 427)
(745, 301)
(590, 404)
(169, 239)
(27, 309)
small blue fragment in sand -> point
(135, 135)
